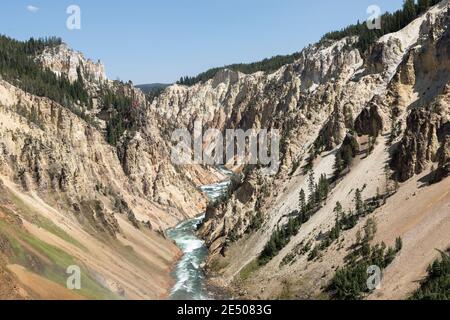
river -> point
(188, 273)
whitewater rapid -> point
(189, 275)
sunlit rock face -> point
(64, 61)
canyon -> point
(68, 197)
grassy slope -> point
(42, 258)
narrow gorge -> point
(191, 281)
(87, 177)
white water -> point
(188, 274)
(190, 278)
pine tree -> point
(409, 11)
(312, 189)
(347, 155)
(317, 195)
(302, 202)
(33, 115)
(338, 209)
(398, 244)
(338, 165)
(424, 5)
(348, 115)
(324, 188)
(340, 216)
(359, 205)
(370, 229)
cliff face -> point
(76, 200)
(64, 61)
(395, 98)
(292, 100)
(420, 143)
(236, 100)
(426, 73)
(142, 156)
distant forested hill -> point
(152, 87)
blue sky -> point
(161, 40)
